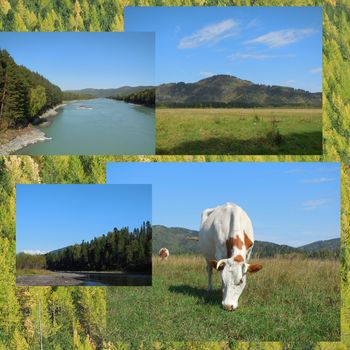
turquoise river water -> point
(104, 127)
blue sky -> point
(289, 203)
(55, 216)
(85, 60)
(266, 45)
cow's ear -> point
(213, 263)
(254, 268)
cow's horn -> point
(222, 261)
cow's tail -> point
(235, 221)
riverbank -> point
(51, 279)
(23, 138)
(13, 140)
(49, 115)
(84, 278)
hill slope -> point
(329, 244)
(230, 91)
(175, 239)
(121, 91)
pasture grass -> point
(238, 131)
(294, 301)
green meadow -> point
(290, 300)
(238, 131)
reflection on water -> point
(92, 279)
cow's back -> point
(220, 224)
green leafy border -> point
(336, 133)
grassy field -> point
(238, 131)
(289, 300)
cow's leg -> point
(210, 273)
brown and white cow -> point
(226, 240)
(163, 253)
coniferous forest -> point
(24, 94)
(144, 97)
(118, 250)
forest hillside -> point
(24, 94)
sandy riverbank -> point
(54, 279)
(26, 137)
(85, 278)
(13, 140)
(48, 115)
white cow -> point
(226, 240)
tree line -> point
(118, 250)
(24, 94)
(69, 96)
(144, 97)
(30, 261)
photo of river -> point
(98, 126)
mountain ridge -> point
(120, 91)
(176, 240)
(224, 90)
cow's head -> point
(233, 273)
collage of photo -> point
(172, 177)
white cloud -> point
(206, 74)
(315, 204)
(209, 35)
(177, 29)
(318, 180)
(316, 70)
(34, 252)
(282, 37)
(249, 56)
(295, 171)
(289, 81)
(253, 23)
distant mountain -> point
(230, 91)
(329, 244)
(176, 240)
(121, 91)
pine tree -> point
(37, 100)
(76, 21)
(5, 6)
(118, 24)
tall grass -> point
(291, 300)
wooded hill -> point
(121, 91)
(24, 94)
(143, 97)
(119, 250)
(176, 240)
(69, 96)
(222, 91)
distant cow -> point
(163, 253)
(226, 240)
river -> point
(99, 126)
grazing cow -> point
(226, 240)
(163, 253)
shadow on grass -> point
(308, 143)
(204, 297)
